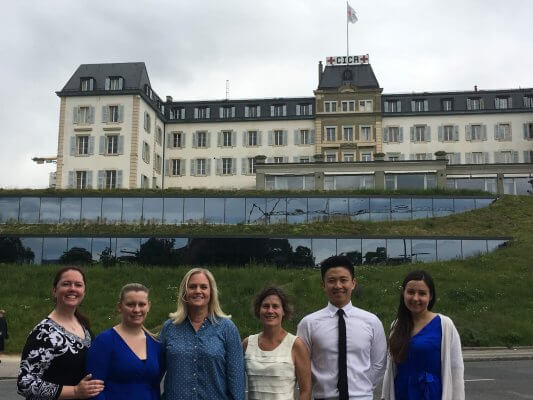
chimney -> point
(169, 99)
(475, 88)
(320, 70)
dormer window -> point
(87, 84)
(177, 113)
(278, 110)
(227, 112)
(347, 76)
(114, 83)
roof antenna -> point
(227, 89)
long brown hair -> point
(82, 318)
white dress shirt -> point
(366, 349)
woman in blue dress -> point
(425, 360)
(126, 357)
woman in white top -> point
(275, 360)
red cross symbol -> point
(364, 59)
(330, 60)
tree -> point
(76, 255)
(13, 251)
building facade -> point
(116, 132)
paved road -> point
(485, 380)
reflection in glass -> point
(297, 210)
(496, 244)
(49, 210)
(91, 209)
(276, 210)
(374, 251)
(255, 210)
(29, 210)
(423, 250)
(132, 209)
(302, 252)
(463, 205)
(350, 248)
(127, 249)
(379, 208)
(235, 210)
(480, 203)
(323, 248)
(400, 208)
(102, 248)
(173, 210)
(317, 209)
(81, 242)
(473, 248)
(523, 186)
(111, 210)
(152, 210)
(53, 249)
(12, 250)
(193, 210)
(338, 208)
(508, 186)
(35, 245)
(422, 207)
(9, 209)
(214, 210)
(442, 207)
(360, 208)
(70, 210)
(448, 249)
(410, 181)
(78, 251)
(398, 251)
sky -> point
(265, 49)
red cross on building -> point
(330, 60)
(364, 59)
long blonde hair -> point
(214, 309)
(135, 287)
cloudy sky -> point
(264, 48)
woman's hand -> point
(88, 387)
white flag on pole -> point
(352, 16)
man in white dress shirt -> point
(366, 346)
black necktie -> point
(342, 385)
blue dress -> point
(125, 375)
(419, 377)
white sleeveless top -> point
(271, 374)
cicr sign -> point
(347, 60)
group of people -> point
(339, 352)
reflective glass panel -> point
(12, 250)
(193, 210)
(379, 208)
(29, 210)
(49, 210)
(152, 210)
(111, 210)
(317, 209)
(472, 248)
(309, 182)
(359, 208)
(442, 207)
(463, 205)
(70, 210)
(78, 251)
(398, 251)
(350, 248)
(294, 182)
(157, 251)
(422, 207)
(214, 210)
(431, 181)
(180, 243)
(91, 209)
(400, 208)
(173, 210)
(508, 186)
(297, 210)
(323, 248)
(496, 244)
(53, 249)
(302, 253)
(471, 183)
(448, 249)
(132, 209)
(347, 182)
(423, 250)
(338, 208)
(235, 210)
(480, 203)
(490, 185)
(102, 247)
(374, 251)
(127, 249)
(276, 210)
(523, 187)
(255, 210)
(410, 181)
(33, 250)
(9, 209)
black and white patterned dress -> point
(52, 358)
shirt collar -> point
(332, 310)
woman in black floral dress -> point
(53, 360)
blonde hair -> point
(214, 309)
(135, 287)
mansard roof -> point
(362, 76)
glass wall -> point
(287, 252)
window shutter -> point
(484, 131)
(426, 105)
(101, 147)
(101, 175)
(468, 158)
(284, 110)
(167, 166)
(386, 106)
(70, 183)
(527, 156)
(244, 142)
(121, 144)
(312, 136)
(510, 102)
(525, 131)
(412, 134)
(259, 138)
(234, 166)
(270, 138)
(496, 103)
(497, 157)
(486, 157)
(413, 105)
(468, 104)
(427, 133)
(219, 138)
(457, 158)
(468, 133)
(297, 109)
(218, 165)
(120, 113)
(170, 138)
(233, 138)
(271, 111)
(310, 109)
(221, 112)
(195, 139)
(91, 115)
(120, 83)
(233, 112)
(515, 156)
(208, 139)
(104, 113)
(193, 167)
(496, 132)
(183, 140)
(258, 111)
(440, 134)
(456, 133)
(75, 115)
(208, 166)
(386, 134)
(401, 134)
(338, 133)
(195, 112)
(285, 137)
(119, 179)
(91, 145)
(244, 161)
(91, 84)
(107, 83)
(73, 145)
(246, 112)
(208, 112)
(89, 179)
(481, 104)
(296, 136)
(182, 167)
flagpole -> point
(347, 40)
